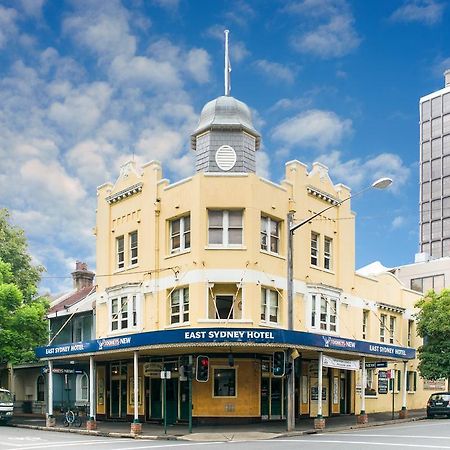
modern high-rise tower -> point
(435, 172)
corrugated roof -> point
(72, 299)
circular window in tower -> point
(225, 157)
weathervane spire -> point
(227, 66)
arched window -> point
(40, 388)
(82, 388)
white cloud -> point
(8, 17)
(262, 164)
(32, 7)
(160, 144)
(81, 109)
(275, 71)
(398, 222)
(426, 11)
(143, 72)
(360, 172)
(103, 31)
(50, 181)
(334, 38)
(313, 128)
(198, 64)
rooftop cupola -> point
(225, 139)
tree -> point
(433, 325)
(14, 250)
(23, 324)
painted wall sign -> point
(63, 371)
(197, 336)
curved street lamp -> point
(381, 183)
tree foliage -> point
(23, 324)
(433, 325)
(14, 250)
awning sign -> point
(336, 363)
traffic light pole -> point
(290, 416)
(190, 401)
(165, 405)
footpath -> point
(247, 432)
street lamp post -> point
(381, 183)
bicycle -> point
(72, 418)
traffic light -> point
(279, 364)
(202, 369)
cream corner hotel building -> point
(198, 268)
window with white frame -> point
(270, 234)
(410, 332)
(225, 301)
(365, 324)
(327, 253)
(313, 310)
(133, 242)
(269, 305)
(179, 305)
(324, 312)
(124, 313)
(391, 329)
(383, 320)
(120, 252)
(411, 381)
(180, 234)
(314, 249)
(370, 388)
(82, 388)
(225, 227)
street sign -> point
(376, 365)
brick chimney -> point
(82, 277)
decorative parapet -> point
(128, 192)
(391, 308)
(322, 195)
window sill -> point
(121, 332)
(270, 325)
(322, 269)
(411, 392)
(371, 396)
(225, 321)
(177, 325)
(317, 331)
(276, 255)
(181, 252)
(124, 269)
(225, 247)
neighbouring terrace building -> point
(193, 273)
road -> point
(430, 434)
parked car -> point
(438, 404)
(6, 406)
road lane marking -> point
(174, 445)
(385, 444)
(394, 436)
(67, 444)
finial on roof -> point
(227, 66)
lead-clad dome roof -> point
(225, 112)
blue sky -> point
(84, 85)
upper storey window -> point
(120, 252)
(133, 241)
(314, 249)
(131, 250)
(324, 313)
(225, 227)
(180, 234)
(123, 312)
(270, 234)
